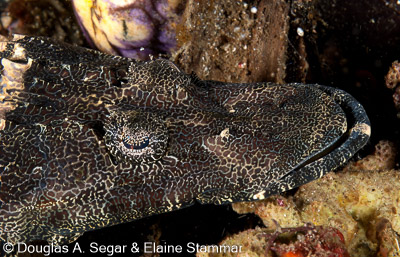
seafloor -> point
(350, 45)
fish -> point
(90, 140)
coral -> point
(382, 159)
(352, 201)
(309, 241)
(287, 242)
(392, 78)
(273, 210)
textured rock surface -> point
(225, 40)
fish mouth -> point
(333, 156)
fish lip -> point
(356, 136)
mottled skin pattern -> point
(212, 142)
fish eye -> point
(135, 142)
(136, 137)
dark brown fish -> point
(89, 140)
